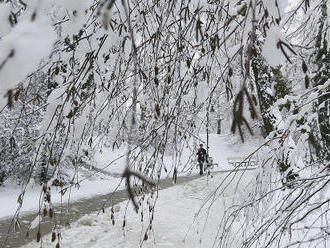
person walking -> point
(201, 158)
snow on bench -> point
(210, 164)
(242, 161)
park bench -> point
(242, 162)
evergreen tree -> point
(322, 74)
(262, 79)
(271, 86)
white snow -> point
(4, 23)
(273, 10)
(181, 219)
(53, 101)
(272, 54)
(30, 42)
(113, 161)
(9, 195)
(74, 5)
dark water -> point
(11, 238)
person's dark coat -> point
(201, 153)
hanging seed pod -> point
(304, 66)
(12, 142)
(277, 20)
(38, 236)
(169, 79)
(124, 223)
(306, 81)
(16, 95)
(48, 197)
(51, 213)
(156, 81)
(145, 236)
(52, 161)
(57, 245)
(157, 108)
(44, 188)
(230, 72)
(254, 99)
(266, 13)
(53, 236)
(188, 63)
(45, 212)
(307, 4)
(144, 76)
(33, 16)
(9, 96)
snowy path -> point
(179, 220)
(77, 210)
(96, 189)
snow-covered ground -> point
(221, 148)
(91, 184)
(185, 216)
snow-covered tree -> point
(145, 74)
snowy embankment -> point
(186, 215)
(90, 184)
(93, 184)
